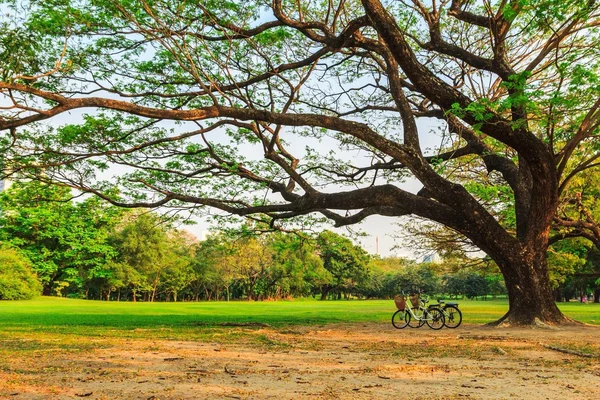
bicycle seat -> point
(451, 303)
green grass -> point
(89, 318)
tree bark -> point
(531, 300)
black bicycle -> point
(452, 315)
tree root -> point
(569, 351)
(509, 322)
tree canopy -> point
(284, 109)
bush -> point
(17, 281)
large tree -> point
(332, 94)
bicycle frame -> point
(426, 315)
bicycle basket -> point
(400, 303)
(414, 300)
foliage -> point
(576, 265)
(65, 241)
(413, 278)
(17, 281)
(346, 263)
(151, 256)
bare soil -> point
(361, 361)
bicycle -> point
(418, 314)
(452, 315)
(419, 302)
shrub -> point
(17, 281)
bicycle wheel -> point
(400, 319)
(434, 318)
(453, 316)
(419, 320)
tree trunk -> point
(531, 301)
(154, 289)
(324, 292)
(251, 285)
(597, 295)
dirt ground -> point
(363, 361)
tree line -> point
(53, 245)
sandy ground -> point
(373, 361)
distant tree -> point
(65, 241)
(143, 246)
(179, 272)
(475, 285)
(17, 280)
(383, 276)
(471, 284)
(346, 262)
(575, 269)
(213, 271)
(414, 278)
(454, 285)
(253, 263)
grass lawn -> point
(89, 318)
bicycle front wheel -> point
(434, 318)
(453, 316)
(419, 319)
(400, 319)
